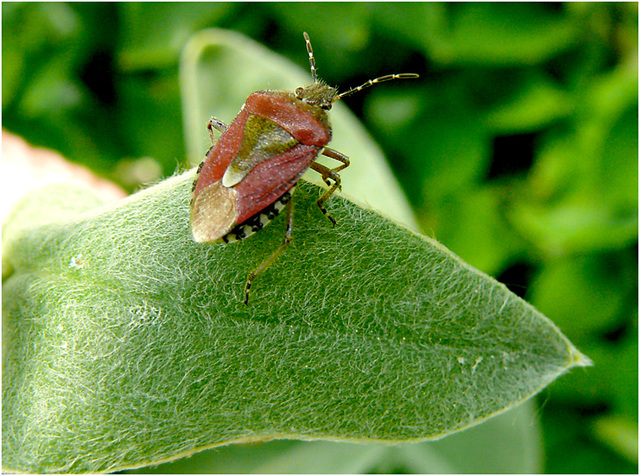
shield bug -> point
(248, 175)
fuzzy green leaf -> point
(127, 344)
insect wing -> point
(262, 140)
(213, 207)
(270, 179)
(222, 153)
(213, 212)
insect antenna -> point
(312, 60)
(371, 82)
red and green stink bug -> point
(248, 175)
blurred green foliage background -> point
(517, 148)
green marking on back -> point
(262, 140)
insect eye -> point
(299, 92)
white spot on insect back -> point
(232, 177)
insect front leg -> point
(340, 157)
(327, 175)
(218, 125)
(288, 236)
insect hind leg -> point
(212, 124)
(340, 157)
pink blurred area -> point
(26, 168)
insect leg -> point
(340, 157)
(327, 175)
(211, 125)
(218, 125)
(288, 236)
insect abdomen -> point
(258, 221)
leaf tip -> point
(578, 359)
